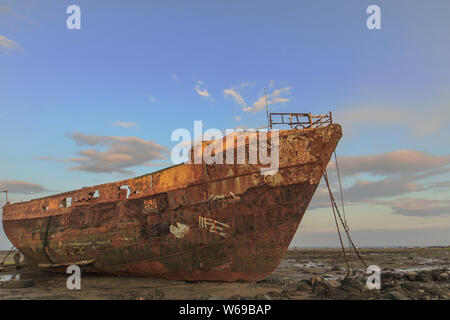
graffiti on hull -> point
(214, 226)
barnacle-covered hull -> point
(188, 222)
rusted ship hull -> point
(189, 222)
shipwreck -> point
(213, 222)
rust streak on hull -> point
(188, 222)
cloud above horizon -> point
(22, 187)
(420, 120)
(418, 207)
(394, 174)
(112, 154)
(396, 162)
(391, 235)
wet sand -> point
(407, 273)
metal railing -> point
(300, 120)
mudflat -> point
(406, 273)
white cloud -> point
(201, 90)
(369, 237)
(236, 96)
(420, 207)
(247, 84)
(7, 45)
(278, 96)
(121, 153)
(398, 162)
(23, 187)
(126, 124)
(402, 173)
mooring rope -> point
(346, 229)
(337, 227)
(340, 187)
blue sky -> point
(160, 65)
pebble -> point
(348, 282)
(423, 276)
(397, 276)
(436, 275)
(334, 283)
(303, 286)
(335, 268)
(411, 276)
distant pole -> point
(267, 107)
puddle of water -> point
(9, 277)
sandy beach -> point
(406, 273)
